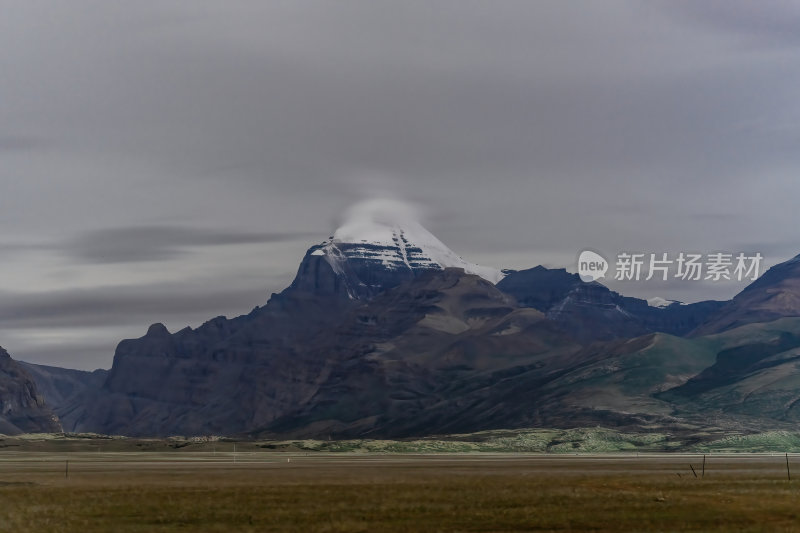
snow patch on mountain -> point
(660, 302)
(386, 232)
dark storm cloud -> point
(80, 328)
(153, 243)
(120, 305)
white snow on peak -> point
(398, 240)
(658, 301)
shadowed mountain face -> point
(774, 295)
(591, 311)
(234, 375)
(22, 408)
(746, 379)
(65, 389)
(220, 378)
(445, 352)
(755, 374)
(387, 333)
(364, 369)
(647, 381)
(417, 358)
(539, 287)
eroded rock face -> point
(224, 377)
(22, 408)
(65, 389)
(774, 295)
(427, 357)
(311, 364)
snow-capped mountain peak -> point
(405, 244)
(380, 246)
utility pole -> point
(788, 474)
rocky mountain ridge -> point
(385, 332)
(22, 407)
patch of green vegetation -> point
(563, 441)
(545, 441)
(585, 440)
(601, 440)
(770, 441)
(753, 333)
(664, 363)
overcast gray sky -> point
(172, 160)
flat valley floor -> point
(261, 491)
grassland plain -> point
(274, 491)
(124, 485)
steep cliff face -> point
(22, 408)
(313, 364)
(64, 389)
(220, 378)
(58, 385)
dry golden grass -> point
(263, 492)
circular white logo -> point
(591, 266)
